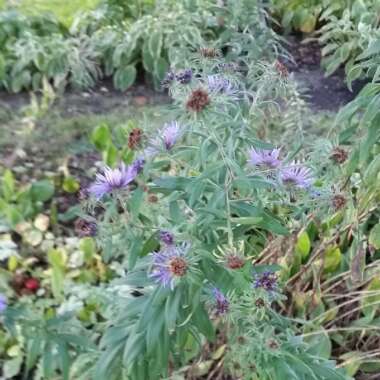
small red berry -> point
(32, 284)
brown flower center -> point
(282, 69)
(235, 262)
(178, 266)
(134, 138)
(339, 155)
(338, 201)
(198, 100)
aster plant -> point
(189, 261)
(214, 199)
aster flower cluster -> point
(290, 175)
(222, 305)
(166, 139)
(114, 179)
(221, 85)
(266, 281)
(182, 77)
(170, 263)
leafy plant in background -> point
(347, 38)
(305, 16)
(20, 204)
(99, 43)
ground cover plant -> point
(232, 233)
(115, 39)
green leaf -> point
(8, 185)
(247, 220)
(332, 260)
(70, 185)
(303, 245)
(57, 262)
(370, 304)
(133, 348)
(155, 44)
(148, 59)
(110, 155)
(88, 247)
(172, 307)
(124, 77)
(352, 360)
(64, 359)
(42, 191)
(135, 201)
(101, 137)
(161, 67)
(202, 321)
(319, 345)
(374, 236)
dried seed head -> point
(241, 339)
(134, 138)
(260, 303)
(208, 52)
(17, 282)
(272, 344)
(83, 194)
(339, 155)
(282, 69)
(85, 228)
(178, 266)
(152, 198)
(235, 261)
(338, 201)
(198, 100)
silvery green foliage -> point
(351, 39)
(219, 208)
(112, 40)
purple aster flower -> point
(222, 304)
(138, 164)
(169, 78)
(166, 237)
(296, 175)
(184, 76)
(266, 281)
(3, 303)
(264, 157)
(168, 136)
(170, 264)
(219, 84)
(112, 179)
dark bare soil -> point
(322, 93)
(101, 99)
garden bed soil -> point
(321, 92)
(101, 99)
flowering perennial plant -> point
(156, 309)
